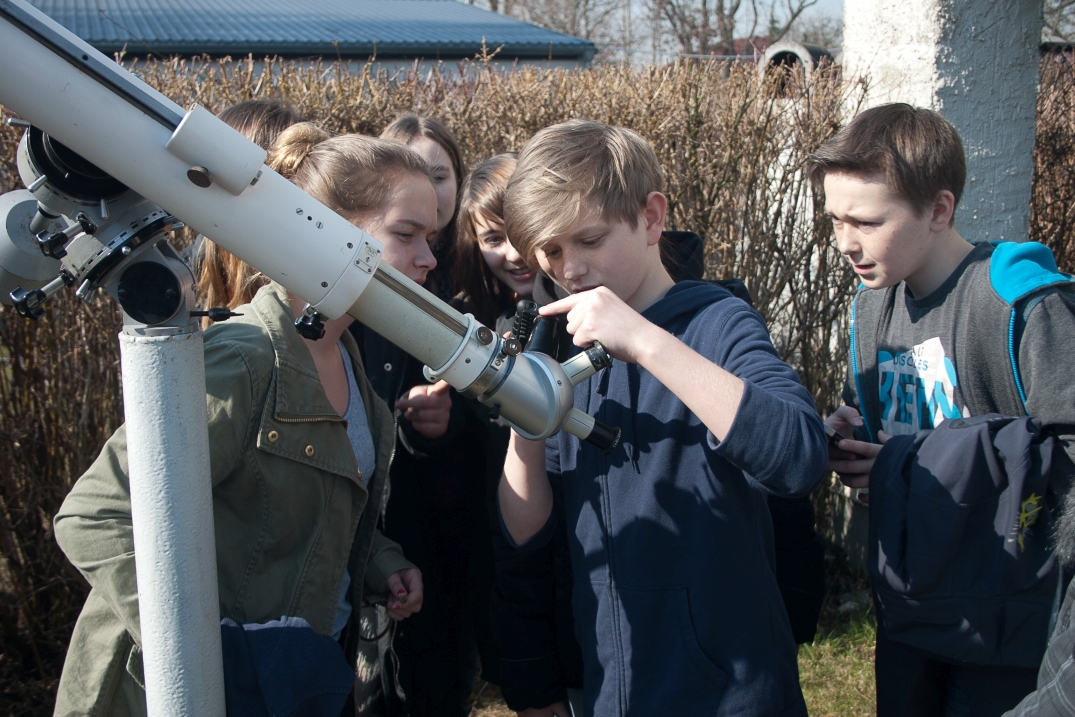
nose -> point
(424, 259)
(512, 255)
(846, 241)
(574, 267)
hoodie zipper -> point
(605, 463)
(1011, 354)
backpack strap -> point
(1022, 275)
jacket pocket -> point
(666, 671)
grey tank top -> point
(358, 432)
(358, 427)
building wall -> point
(976, 62)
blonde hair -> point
(573, 167)
(261, 120)
(223, 278)
(481, 198)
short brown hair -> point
(574, 166)
(481, 198)
(918, 152)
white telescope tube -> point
(273, 225)
(135, 134)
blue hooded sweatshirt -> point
(675, 601)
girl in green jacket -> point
(300, 448)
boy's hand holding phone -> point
(851, 459)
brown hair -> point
(406, 128)
(261, 120)
(481, 198)
(351, 174)
(918, 152)
(574, 166)
(409, 127)
(223, 278)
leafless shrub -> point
(1052, 204)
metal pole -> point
(172, 511)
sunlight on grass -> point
(836, 671)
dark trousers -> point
(913, 683)
(437, 514)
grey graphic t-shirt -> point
(918, 357)
(930, 357)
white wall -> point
(976, 62)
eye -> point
(592, 241)
(551, 252)
(493, 240)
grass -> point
(488, 702)
(836, 671)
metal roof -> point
(445, 29)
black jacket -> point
(959, 540)
(1055, 696)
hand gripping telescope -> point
(110, 164)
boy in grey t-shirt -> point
(941, 329)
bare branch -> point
(1059, 18)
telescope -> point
(111, 166)
(77, 226)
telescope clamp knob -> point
(309, 325)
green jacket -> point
(291, 509)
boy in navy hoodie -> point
(944, 329)
(675, 601)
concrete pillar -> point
(976, 62)
(172, 512)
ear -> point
(653, 215)
(944, 208)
